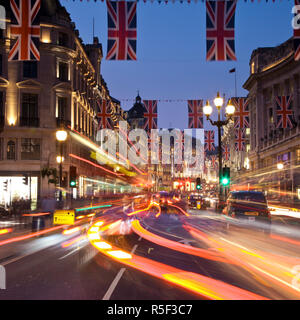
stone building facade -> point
(274, 72)
(39, 97)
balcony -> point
(279, 136)
(29, 122)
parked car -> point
(249, 206)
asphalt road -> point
(59, 267)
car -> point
(249, 206)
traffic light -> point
(25, 179)
(5, 185)
(198, 184)
(225, 179)
(73, 177)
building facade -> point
(37, 98)
(274, 73)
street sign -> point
(64, 217)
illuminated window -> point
(252, 67)
(298, 155)
(247, 131)
(247, 147)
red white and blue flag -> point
(240, 140)
(25, 27)
(150, 115)
(296, 36)
(195, 108)
(284, 112)
(104, 114)
(209, 140)
(122, 34)
(241, 115)
(214, 161)
(220, 30)
(226, 152)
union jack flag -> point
(240, 139)
(26, 30)
(122, 34)
(241, 115)
(150, 115)
(214, 161)
(209, 140)
(284, 112)
(195, 108)
(226, 152)
(220, 30)
(104, 115)
(296, 34)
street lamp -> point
(61, 137)
(229, 110)
(280, 167)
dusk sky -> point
(171, 51)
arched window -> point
(11, 150)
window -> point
(1, 109)
(30, 69)
(1, 148)
(63, 71)
(298, 156)
(11, 150)
(30, 149)
(252, 67)
(271, 118)
(61, 108)
(63, 39)
(29, 110)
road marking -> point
(116, 280)
(66, 255)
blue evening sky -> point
(171, 50)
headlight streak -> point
(71, 231)
(139, 211)
(180, 209)
(177, 246)
(5, 231)
(205, 287)
(272, 267)
(66, 244)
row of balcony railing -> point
(279, 135)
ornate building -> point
(274, 73)
(62, 90)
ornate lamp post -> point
(61, 136)
(230, 110)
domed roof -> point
(138, 109)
